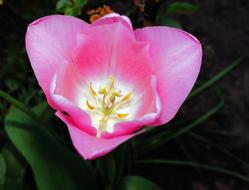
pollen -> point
(90, 107)
(126, 97)
(122, 115)
(106, 104)
(92, 90)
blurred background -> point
(210, 132)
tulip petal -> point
(112, 18)
(177, 59)
(127, 61)
(70, 111)
(49, 42)
(117, 51)
(150, 107)
(91, 147)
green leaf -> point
(20, 105)
(170, 22)
(181, 8)
(2, 171)
(216, 78)
(197, 165)
(62, 5)
(53, 165)
(15, 167)
(138, 183)
(73, 11)
(80, 3)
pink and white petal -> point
(91, 147)
(118, 54)
(68, 111)
(177, 59)
(49, 42)
(148, 112)
(129, 127)
(112, 18)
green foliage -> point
(15, 168)
(80, 3)
(167, 12)
(107, 168)
(161, 138)
(181, 8)
(2, 171)
(216, 77)
(138, 183)
(73, 11)
(69, 7)
(62, 5)
(53, 165)
(170, 22)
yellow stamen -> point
(90, 107)
(92, 90)
(102, 90)
(126, 97)
(107, 103)
(122, 115)
(116, 93)
(112, 82)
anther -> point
(126, 97)
(112, 82)
(102, 90)
(90, 107)
(122, 115)
(117, 93)
(92, 90)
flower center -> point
(106, 103)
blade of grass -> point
(197, 122)
(198, 165)
(217, 77)
(161, 139)
(223, 150)
(30, 113)
(19, 105)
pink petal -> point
(91, 147)
(118, 54)
(112, 18)
(66, 110)
(49, 42)
(177, 59)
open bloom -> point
(106, 81)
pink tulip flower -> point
(106, 81)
